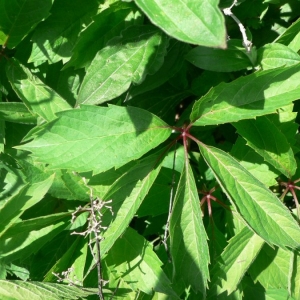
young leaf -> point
(188, 239)
(258, 94)
(140, 51)
(188, 20)
(258, 206)
(274, 55)
(37, 96)
(18, 18)
(234, 261)
(233, 58)
(133, 259)
(267, 140)
(97, 138)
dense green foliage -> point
(149, 149)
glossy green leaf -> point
(17, 204)
(188, 239)
(270, 142)
(19, 17)
(106, 25)
(127, 194)
(97, 138)
(54, 39)
(258, 206)
(187, 20)
(41, 291)
(37, 96)
(133, 259)
(235, 261)
(272, 268)
(247, 97)
(16, 112)
(138, 52)
(274, 55)
(233, 58)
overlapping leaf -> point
(190, 21)
(16, 112)
(18, 18)
(258, 206)
(140, 51)
(97, 138)
(189, 247)
(247, 97)
(37, 96)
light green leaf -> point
(188, 20)
(274, 55)
(97, 138)
(127, 194)
(16, 112)
(188, 239)
(140, 51)
(233, 58)
(19, 17)
(133, 259)
(258, 206)
(37, 96)
(41, 291)
(17, 204)
(235, 261)
(247, 97)
(295, 280)
(27, 237)
(270, 142)
(272, 268)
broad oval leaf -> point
(190, 21)
(188, 238)
(140, 51)
(233, 58)
(97, 138)
(258, 94)
(258, 206)
(267, 140)
(274, 55)
(19, 17)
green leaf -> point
(54, 39)
(138, 52)
(16, 112)
(247, 97)
(127, 194)
(295, 279)
(233, 58)
(19, 17)
(258, 206)
(272, 268)
(37, 96)
(17, 204)
(270, 142)
(97, 138)
(272, 56)
(188, 239)
(188, 21)
(235, 261)
(106, 25)
(133, 259)
(41, 291)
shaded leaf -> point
(16, 112)
(138, 52)
(188, 20)
(37, 96)
(247, 97)
(188, 239)
(19, 17)
(258, 206)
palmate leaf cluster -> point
(141, 104)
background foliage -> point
(161, 136)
